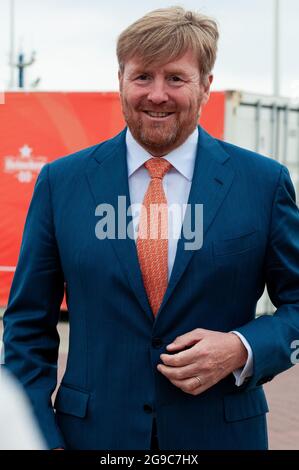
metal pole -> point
(12, 43)
(276, 50)
(21, 70)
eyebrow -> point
(140, 71)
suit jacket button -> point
(147, 408)
(157, 343)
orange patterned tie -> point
(152, 240)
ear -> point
(120, 81)
(206, 89)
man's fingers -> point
(182, 358)
(188, 339)
(191, 386)
(178, 373)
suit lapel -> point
(211, 182)
(107, 175)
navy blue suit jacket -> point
(111, 388)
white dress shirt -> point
(176, 184)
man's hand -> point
(211, 357)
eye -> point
(143, 77)
(175, 78)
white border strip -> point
(8, 269)
(2, 94)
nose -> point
(158, 93)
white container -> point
(270, 126)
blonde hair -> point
(166, 34)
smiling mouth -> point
(157, 115)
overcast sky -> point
(75, 41)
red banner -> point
(39, 127)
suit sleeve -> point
(30, 335)
(271, 337)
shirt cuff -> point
(244, 372)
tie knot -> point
(157, 167)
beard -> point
(159, 138)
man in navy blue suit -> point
(165, 350)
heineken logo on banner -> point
(25, 166)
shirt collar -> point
(182, 158)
